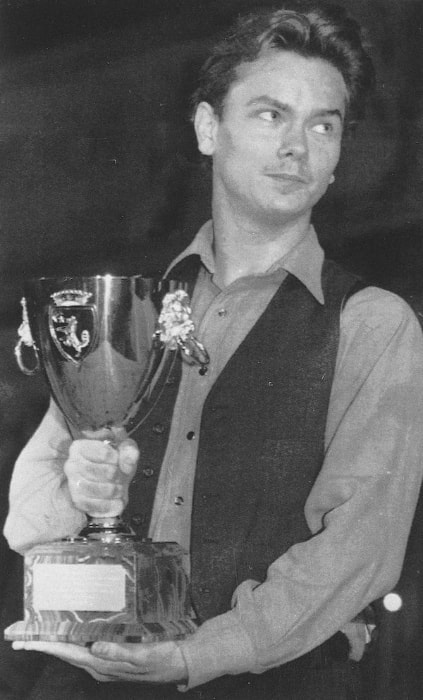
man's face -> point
(278, 142)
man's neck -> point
(246, 248)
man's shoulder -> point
(375, 307)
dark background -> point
(99, 173)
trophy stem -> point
(107, 528)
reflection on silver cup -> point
(96, 341)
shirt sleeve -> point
(359, 510)
(40, 506)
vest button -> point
(178, 501)
(190, 435)
(147, 473)
(137, 520)
(158, 428)
(171, 380)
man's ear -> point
(206, 124)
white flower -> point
(175, 329)
(175, 324)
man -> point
(291, 469)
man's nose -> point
(293, 143)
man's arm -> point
(58, 480)
(40, 505)
(360, 509)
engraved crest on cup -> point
(73, 323)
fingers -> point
(99, 475)
(130, 653)
(68, 652)
(93, 453)
(357, 635)
(76, 655)
(91, 468)
(100, 489)
(154, 663)
(158, 663)
(94, 488)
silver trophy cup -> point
(106, 345)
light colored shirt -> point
(359, 510)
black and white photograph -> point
(211, 349)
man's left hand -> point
(106, 661)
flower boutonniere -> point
(176, 329)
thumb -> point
(128, 456)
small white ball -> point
(392, 602)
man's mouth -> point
(288, 177)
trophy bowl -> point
(97, 344)
(106, 345)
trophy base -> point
(84, 590)
(84, 633)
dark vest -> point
(261, 441)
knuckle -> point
(116, 505)
(129, 450)
(75, 447)
(71, 469)
(105, 491)
(130, 442)
(103, 472)
(111, 491)
(108, 453)
(92, 451)
(128, 457)
(98, 506)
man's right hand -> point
(99, 475)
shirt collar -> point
(304, 260)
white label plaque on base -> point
(75, 587)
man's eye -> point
(323, 128)
(269, 115)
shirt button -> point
(137, 520)
(147, 473)
(222, 313)
(158, 428)
(190, 435)
(178, 501)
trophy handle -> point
(25, 338)
(19, 358)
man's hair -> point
(306, 28)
